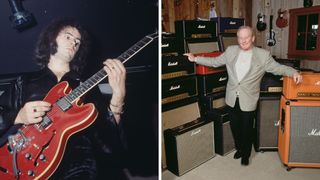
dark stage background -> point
(114, 26)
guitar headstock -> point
(153, 35)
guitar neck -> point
(271, 19)
(95, 79)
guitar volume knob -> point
(30, 173)
(27, 156)
(42, 157)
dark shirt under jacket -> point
(90, 153)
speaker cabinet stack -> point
(189, 145)
(299, 129)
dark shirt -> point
(90, 152)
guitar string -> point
(150, 38)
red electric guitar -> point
(36, 150)
(282, 20)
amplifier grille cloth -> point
(304, 145)
(228, 41)
(203, 47)
(268, 123)
(195, 147)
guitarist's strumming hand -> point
(190, 56)
(32, 112)
(116, 77)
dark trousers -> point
(241, 123)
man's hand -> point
(32, 112)
(297, 78)
(190, 56)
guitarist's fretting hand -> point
(116, 76)
(32, 112)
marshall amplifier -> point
(223, 139)
(212, 83)
(228, 24)
(212, 101)
(309, 89)
(177, 114)
(178, 88)
(196, 36)
(169, 44)
(176, 66)
(267, 122)
(226, 40)
(272, 83)
(202, 70)
(189, 145)
(299, 133)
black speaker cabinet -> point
(189, 145)
(224, 143)
(212, 101)
(267, 122)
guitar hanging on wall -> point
(271, 41)
(282, 20)
(261, 24)
(36, 151)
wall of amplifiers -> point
(193, 107)
(195, 124)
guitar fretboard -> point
(84, 87)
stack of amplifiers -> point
(177, 114)
(197, 36)
(223, 140)
(267, 122)
(211, 80)
(299, 133)
(189, 145)
(272, 83)
(227, 28)
(174, 64)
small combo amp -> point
(176, 114)
(189, 145)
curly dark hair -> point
(47, 44)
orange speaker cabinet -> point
(299, 133)
(309, 89)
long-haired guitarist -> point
(61, 52)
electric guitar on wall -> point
(36, 151)
(282, 21)
(261, 24)
(271, 41)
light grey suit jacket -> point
(249, 86)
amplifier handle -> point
(282, 120)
